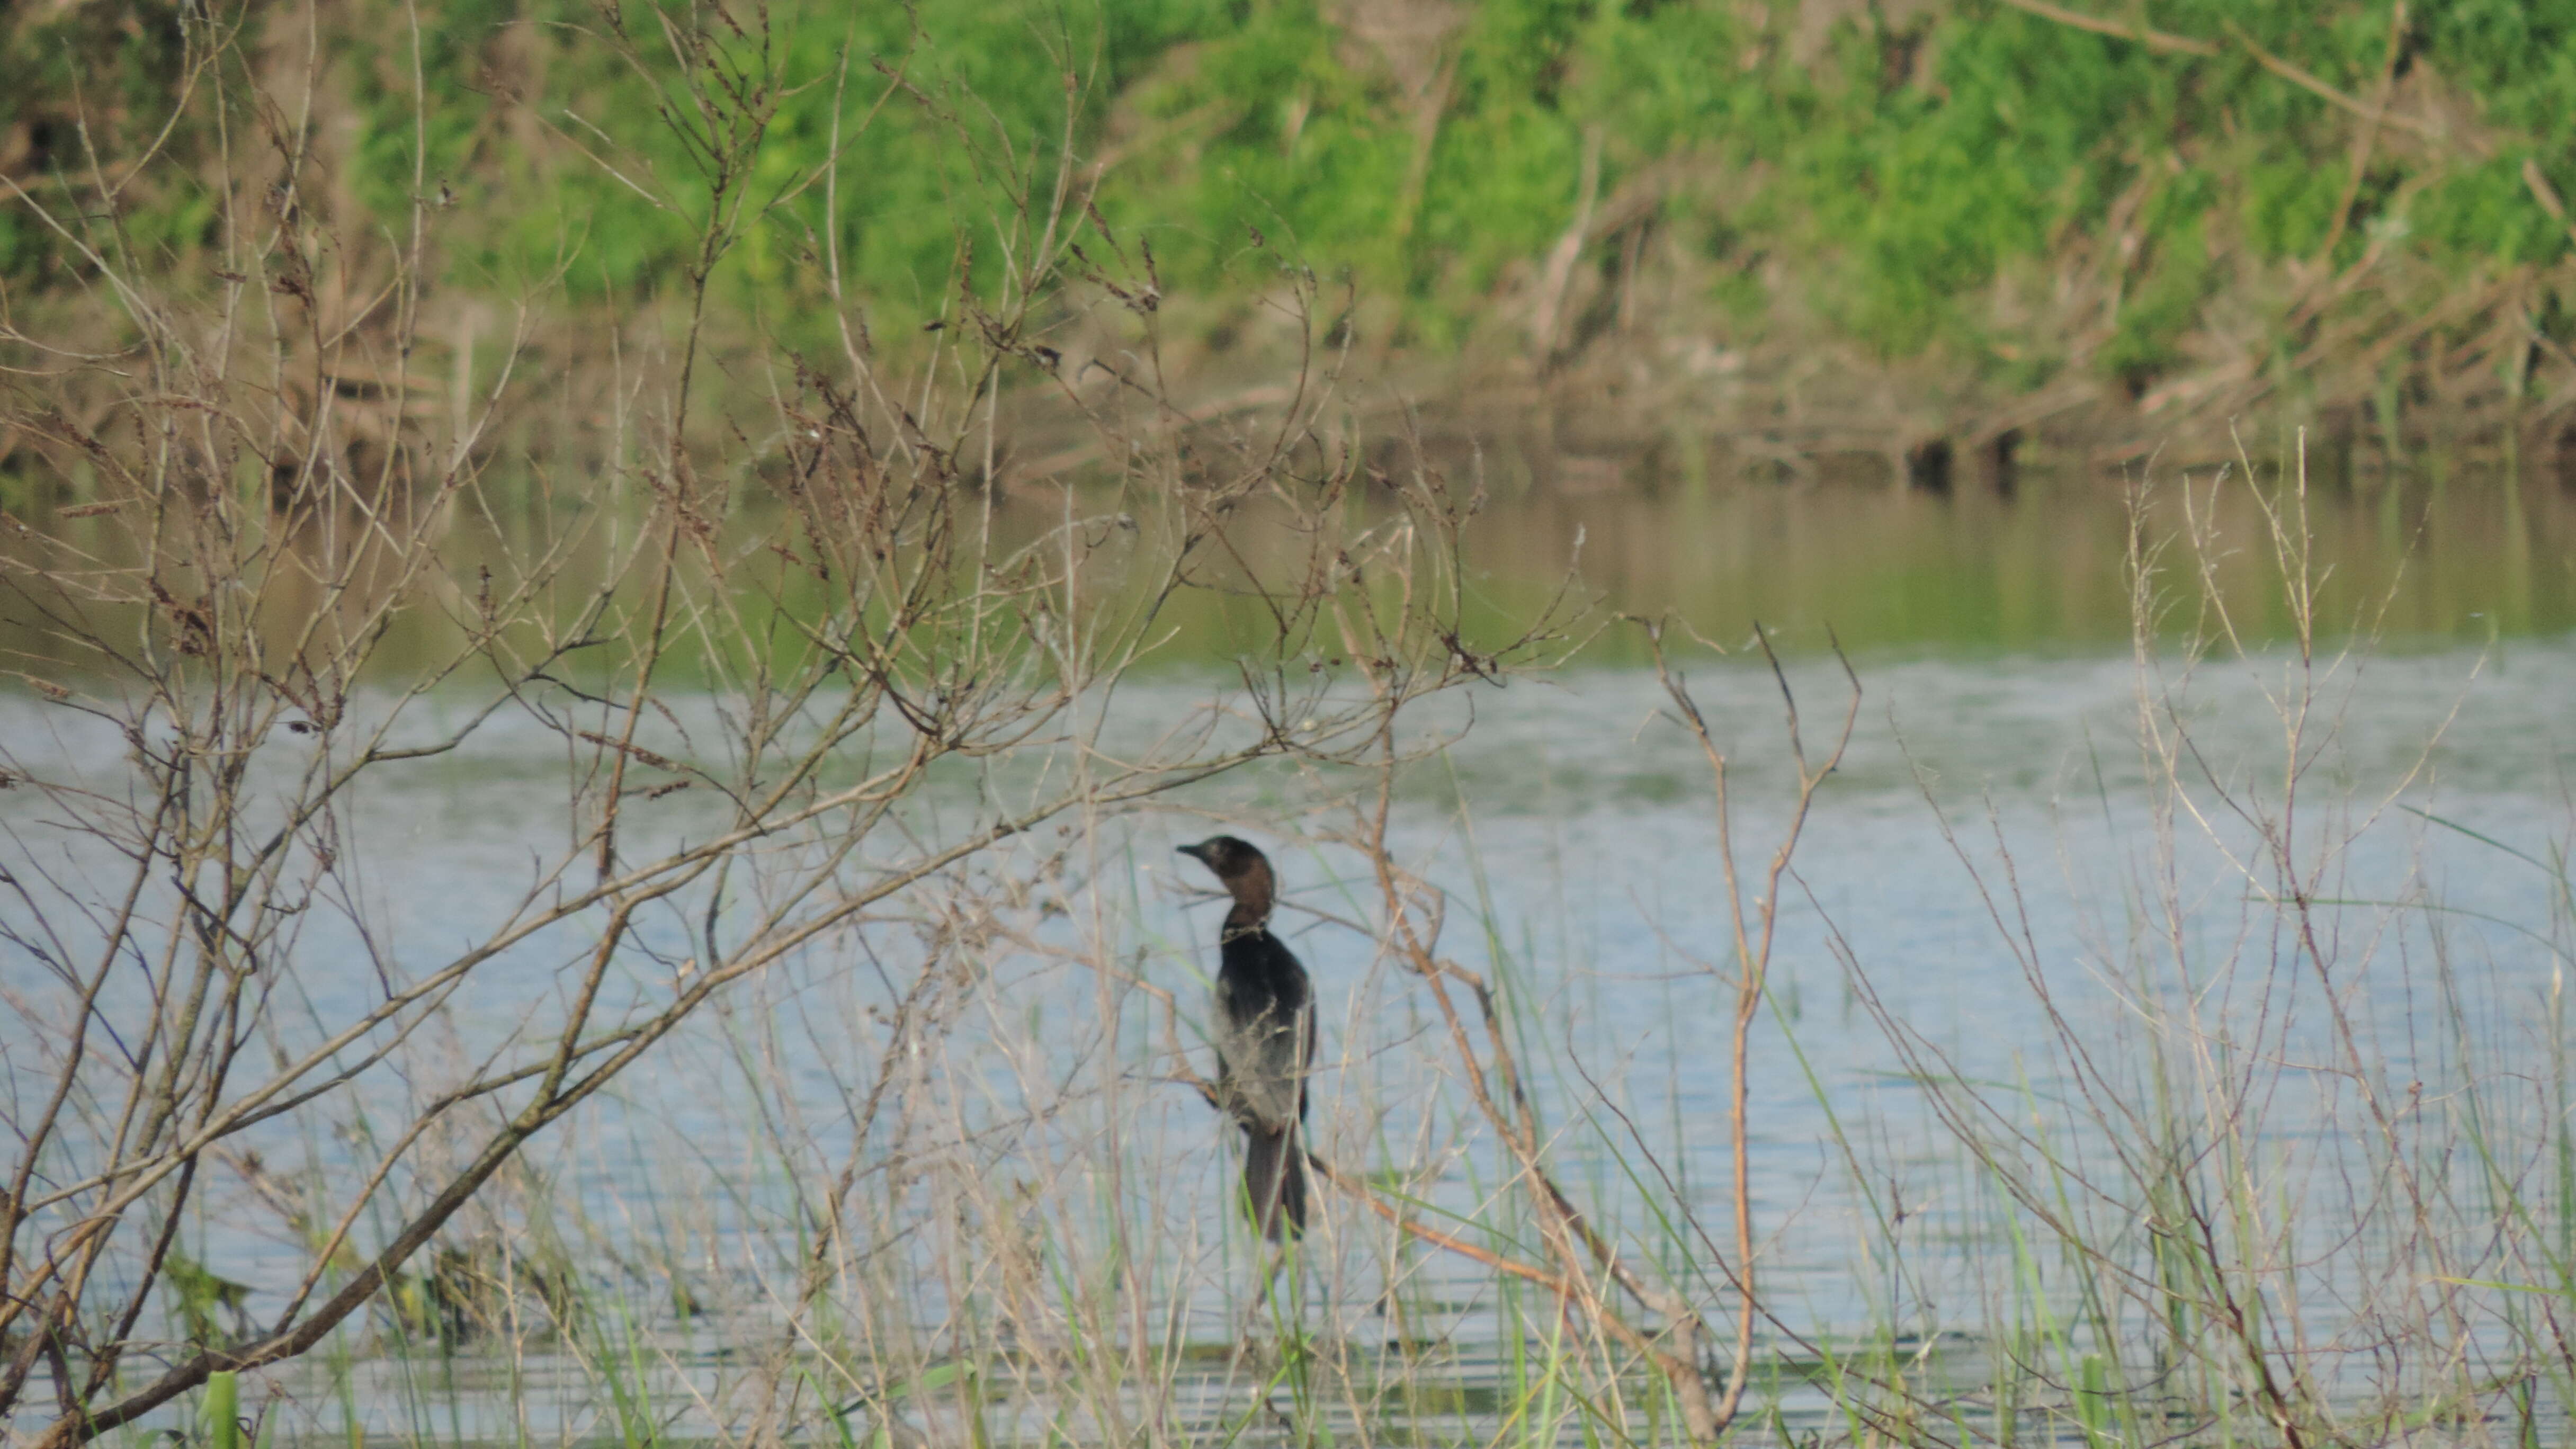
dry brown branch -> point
(1755, 925)
(814, 670)
(2367, 138)
(2303, 80)
(1414, 914)
(1558, 274)
(2537, 181)
(2152, 39)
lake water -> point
(1996, 870)
(2414, 561)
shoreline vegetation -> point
(1922, 239)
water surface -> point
(1996, 865)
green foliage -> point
(1906, 169)
(206, 1304)
(88, 86)
(1895, 174)
(223, 1410)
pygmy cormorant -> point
(1265, 1036)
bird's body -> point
(1265, 1037)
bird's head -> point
(1239, 864)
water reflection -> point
(2046, 568)
(2043, 567)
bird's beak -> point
(1194, 852)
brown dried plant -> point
(292, 612)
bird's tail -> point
(1274, 1179)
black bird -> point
(1265, 1036)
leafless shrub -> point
(273, 644)
(2259, 1198)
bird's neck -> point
(1248, 918)
(1253, 892)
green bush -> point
(1894, 175)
